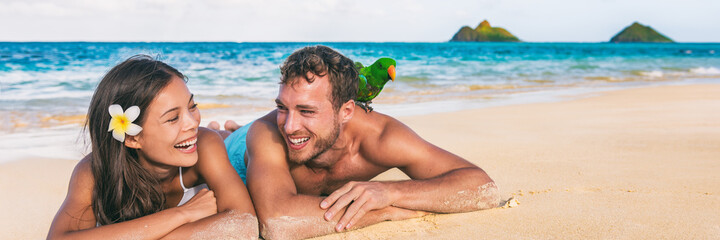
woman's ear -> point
(347, 110)
(132, 142)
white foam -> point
(56, 143)
(29, 85)
(705, 70)
(264, 90)
(54, 76)
(652, 74)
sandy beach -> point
(638, 163)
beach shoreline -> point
(629, 163)
(63, 136)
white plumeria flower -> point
(121, 122)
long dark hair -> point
(124, 190)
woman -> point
(151, 165)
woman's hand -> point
(202, 205)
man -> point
(309, 162)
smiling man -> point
(309, 162)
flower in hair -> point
(121, 122)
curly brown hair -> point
(321, 60)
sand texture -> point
(640, 163)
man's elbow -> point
(488, 196)
(275, 224)
(286, 227)
(485, 193)
(272, 231)
(480, 196)
(249, 226)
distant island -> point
(483, 33)
(640, 33)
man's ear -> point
(132, 142)
(347, 110)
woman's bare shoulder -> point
(82, 174)
(208, 136)
(210, 147)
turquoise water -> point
(42, 80)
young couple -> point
(154, 173)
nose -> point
(292, 123)
(190, 122)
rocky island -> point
(483, 33)
(640, 33)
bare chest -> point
(324, 181)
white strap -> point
(181, 181)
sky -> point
(349, 21)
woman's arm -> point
(236, 214)
(76, 220)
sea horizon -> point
(230, 41)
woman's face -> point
(171, 127)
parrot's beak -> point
(391, 72)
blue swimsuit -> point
(236, 146)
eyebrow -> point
(306, 107)
(176, 108)
(301, 106)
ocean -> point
(45, 87)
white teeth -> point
(186, 143)
(298, 141)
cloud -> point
(343, 20)
(36, 8)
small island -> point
(483, 33)
(640, 33)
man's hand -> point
(360, 198)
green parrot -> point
(372, 80)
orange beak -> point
(391, 72)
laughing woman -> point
(153, 172)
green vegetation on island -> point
(640, 33)
(483, 33)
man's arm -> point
(283, 213)
(442, 182)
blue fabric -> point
(236, 147)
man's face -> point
(306, 118)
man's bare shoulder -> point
(264, 126)
(270, 117)
(265, 139)
(374, 127)
(377, 133)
